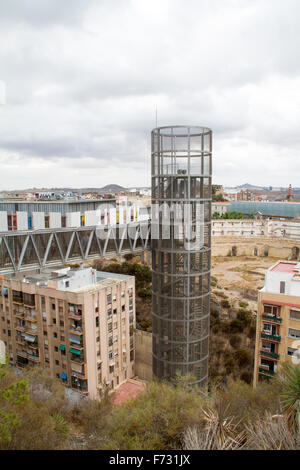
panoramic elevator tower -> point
(181, 250)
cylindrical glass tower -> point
(181, 250)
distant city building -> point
(290, 196)
(246, 195)
(78, 323)
(59, 214)
(230, 194)
(220, 207)
(278, 319)
(282, 210)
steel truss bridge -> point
(21, 250)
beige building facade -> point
(79, 323)
(278, 320)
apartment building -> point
(79, 323)
(278, 320)
(220, 207)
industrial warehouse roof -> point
(61, 206)
(271, 209)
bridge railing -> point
(21, 250)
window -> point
(97, 339)
(294, 333)
(271, 310)
(109, 299)
(55, 348)
(62, 323)
(282, 287)
(110, 355)
(267, 327)
(54, 321)
(55, 335)
(97, 322)
(57, 363)
(294, 314)
(292, 351)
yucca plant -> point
(61, 424)
(289, 379)
(271, 433)
(219, 431)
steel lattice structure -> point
(33, 249)
(181, 251)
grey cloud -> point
(43, 12)
(83, 79)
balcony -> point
(20, 328)
(77, 359)
(266, 371)
(78, 374)
(22, 353)
(32, 331)
(271, 337)
(33, 357)
(270, 354)
(31, 319)
(19, 315)
(76, 332)
(75, 315)
(272, 318)
(76, 355)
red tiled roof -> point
(127, 391)
(284, 267)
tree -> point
(12, 395)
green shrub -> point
(225, 303)
(244, 316)
(235, 326)
(243, 357)
(235, 341)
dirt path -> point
(241, 277)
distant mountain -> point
(250, 186)
(112, 188)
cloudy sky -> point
(80, 81)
